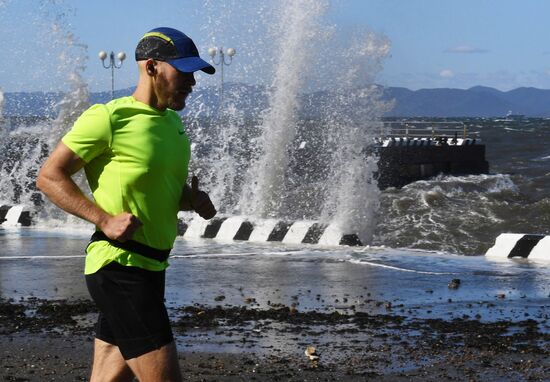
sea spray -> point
(72, 61)
(356, 108)
(303, 156)
(3, 127)
(228, 159)
(225, 130)
(300, 154)
(297, 27)
(26, 147)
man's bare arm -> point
(55, 181)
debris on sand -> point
(454, 284)
(311, 353)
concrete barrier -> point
(265, 230)
(227, 229)
(531, 246)
(15, 216)
(507, 245)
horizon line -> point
(255, 85)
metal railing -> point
(426, 129)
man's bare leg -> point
(159, 365)
(109, 366)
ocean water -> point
(464, 214)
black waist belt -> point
(133, 246)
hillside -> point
(477, 101)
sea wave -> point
(461, 214)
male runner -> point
(135, 154)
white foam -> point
(207, 255)
(363, 262)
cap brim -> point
(191, 64)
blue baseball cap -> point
(174, 47)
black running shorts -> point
(132, 311)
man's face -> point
(172, 86)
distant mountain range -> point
(478, 101)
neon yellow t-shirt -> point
(136, 161)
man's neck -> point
(144, 93)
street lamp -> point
(212, 53)
(121, 56)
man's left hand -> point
(200, 201)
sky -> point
(503, 44)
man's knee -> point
(157, 365)
(108, 364)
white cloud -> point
(466, 49)
(446, 73)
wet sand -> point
(45, 340)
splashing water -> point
(1, 112)
(4, 128)
(225, 135)
(290, 144)
(353, 200)
(303, 156)
(298, 25)
(25, 147)
(74, 102)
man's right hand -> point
(120, 227)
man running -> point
(135, 154)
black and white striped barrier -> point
(15, 216)
(239, 228)
(229, 229)
(509, 245)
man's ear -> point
(150, 67)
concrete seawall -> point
(227, 228)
